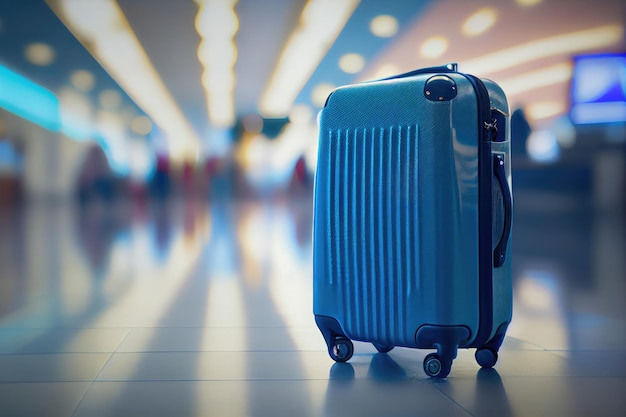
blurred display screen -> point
(598, 89)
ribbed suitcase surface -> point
(372, 177)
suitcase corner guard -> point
(340, 347)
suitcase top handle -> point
(450, 67)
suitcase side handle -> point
(499, 253)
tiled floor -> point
(195, 309)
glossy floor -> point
(197, 308)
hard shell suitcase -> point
(412, 217)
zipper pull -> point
(492, 128)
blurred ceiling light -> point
(128, 113)
(76, 114)
(217, 23)
(542, 146)
(88, 16)
(83, 80)
(386, 70)
(140, 159)
(564, 44)
(300, 114)
(141, 125)
(536, 79)
(102, 27)
(321, 93)
(320, 24)
(479, 22)
(540, 296)
(384, 26)
(544, 109)
(528, 3)
(434, 47)
(111, 127)
(39, 53)
(351, 63)
(110, 99)
(564, 131)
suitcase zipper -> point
(487, 131)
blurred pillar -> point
(609, 169)
(51, 163)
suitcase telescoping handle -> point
(499, 253)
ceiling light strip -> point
(27, 99)
(102, 27)
(554, 74)
(545, 110)
(320, 24)
(217, 24)
(585, 40)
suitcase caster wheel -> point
(382, 348)
(342, 350)
(435, 367)
(486, 357)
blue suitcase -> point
(412, 217)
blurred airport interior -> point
(135, 99)
(153, 142)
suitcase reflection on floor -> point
(385, 387)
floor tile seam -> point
(429, 382)
(604, 350)
(240, 380)
(82, 399)
(248, 350)
(434, 385)
(320, 350)
(537, 345)
(104, 366)
(128, 332)
(175, 327)
(80, 402)
(576, 373)
(69, 352)
(68, 328)
(56, 353)
(91, 382)
(221, 351)
(560, 377)
(47, 382)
